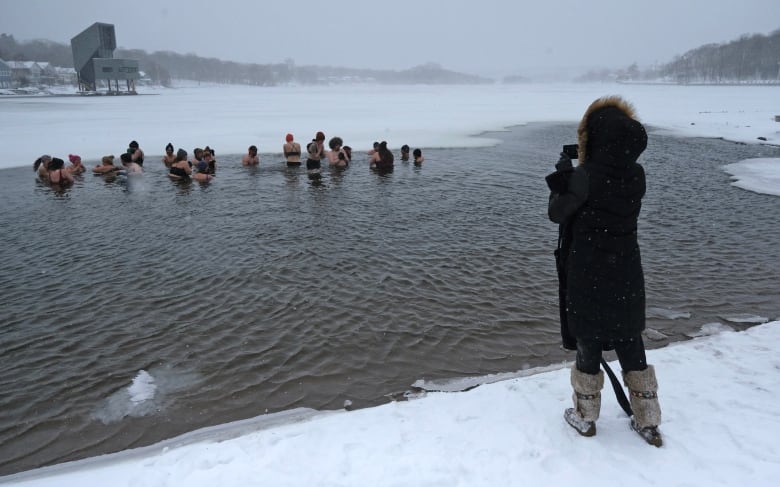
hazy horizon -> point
(494, 39)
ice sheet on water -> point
(449, 385)
(757, 175)
(137, 399)
(655, 335)
(745, 318)
(656, 312)
(458, 384)
(148, 393)
(710, 329)
(143, 387)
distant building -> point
(48, 73)
(65, 76)
(5, 75)
(25, 73)
(93, 59)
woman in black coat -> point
(597, 206)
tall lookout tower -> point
(93, 58)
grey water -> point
(137, 310)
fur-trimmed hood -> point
(610, 132)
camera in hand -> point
(571, 150)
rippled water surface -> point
(136, 312)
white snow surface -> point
(231, 118)
(718, 393)
(758, 175)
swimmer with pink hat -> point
(76, 166)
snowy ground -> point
(719, 392)
(758, 175)
(231, 118)
(719, 396)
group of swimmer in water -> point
(53, 170)
(339, 155)
(203, 167)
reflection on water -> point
(265, 290)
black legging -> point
(630, 352)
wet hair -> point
(384, 153)
(198, 153)
(44, 159)
(335, 142)
(181, 155)
(169, 147)
(133, 144)
(252, 148)
(376, 145)
(126, 158)
(417, 153)
(55, 164)
(404, 148)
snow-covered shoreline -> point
(718, 394)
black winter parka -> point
(598, 210)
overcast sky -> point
(479, 36)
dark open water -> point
(262, 292)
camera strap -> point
(620, 394)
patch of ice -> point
(667, 313)
(745, 318)
(459, 384)
(148, 394)
(143, 387)
(710, 329)
(655, 334)
(757, 175)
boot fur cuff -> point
(643, 387)
(588, 384)
(641, 380)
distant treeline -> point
(162, 66)
(749, 59)
(37, 50)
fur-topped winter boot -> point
(587, 401)
(643, 394)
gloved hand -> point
(564, 163)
